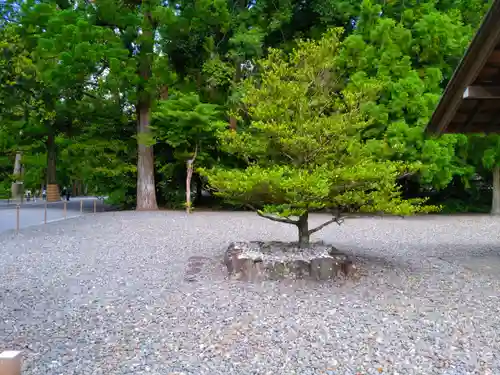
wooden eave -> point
(471, 100)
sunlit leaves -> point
(304, 143)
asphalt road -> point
(33, 213)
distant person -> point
(68, 193)
(44, 193)
(28, 195)
(63, 192)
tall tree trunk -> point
(51, 160)
(303, 227)
(146, 189)
(495, 203)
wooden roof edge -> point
(475, 57)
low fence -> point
(18, 215)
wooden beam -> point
(494, 126)
(494, 57)
(470, 118)
(482, 92)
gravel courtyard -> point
(106, 294)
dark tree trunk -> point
(51, 160)
(199, 189)
(303, 227)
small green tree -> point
(188, 126)
(304, 144)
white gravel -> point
(105, 294)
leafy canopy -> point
(304, 143)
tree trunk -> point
(52, 188)
(303, 227)
(16, 186)
(51, 160)
(232, 123)
(189, 166)
(188, 186)
(199, 189)
(146, 191)
(495, 204)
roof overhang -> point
(471, 100)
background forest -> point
(116, 97)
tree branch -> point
(272, 217)
(406, 174)
(277, 218)
(190, 162)
(89, 95)
(326, 223)
(336, 219)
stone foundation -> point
(257, 261)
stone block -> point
(10, 362)
(301, 269)
(254, 261)
(323, 268)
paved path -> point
(33, 213)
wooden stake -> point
(45, 213)
(81, 206)
(17, 217)
(65, 208)
(95, 206)
(10, 362)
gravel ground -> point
(106, 294)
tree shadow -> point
(420, 258)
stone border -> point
(258, 261)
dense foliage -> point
(305, 145)
(118, 96)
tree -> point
(60, 52)
(137, 70)
(411, 50)
(103, 155)
(188, 127)
(304, 145)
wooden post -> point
(81, 206)
(95, 205)
(45, 213)
(65, 208)
(17, 217)
(10, 362)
